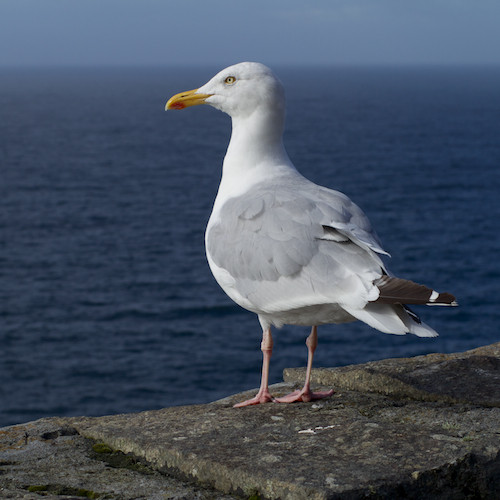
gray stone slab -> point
(347, 447)
(48, 459)
(468, 377)
(425, 427)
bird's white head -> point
(238, 90)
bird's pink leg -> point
(263, 396)
(306, 394)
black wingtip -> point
(442, 299)
(400, 291)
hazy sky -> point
(160, 32)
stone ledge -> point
(469, 377)
(408, 434)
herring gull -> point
(285, 248)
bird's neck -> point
(255, 154)
(256, 142)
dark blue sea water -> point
(107, 303)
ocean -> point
(107, 304)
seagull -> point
(289, 250)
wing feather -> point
(271, 245)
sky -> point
(221, 32)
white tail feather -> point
(392, 319)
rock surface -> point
(469, 377)
(49, 457)
(424, 427)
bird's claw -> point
(304, 396)
(261, 398)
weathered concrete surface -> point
(425, 427)
(468, 377)
(48, 457)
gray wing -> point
(276, 231)
(352, 222)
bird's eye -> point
(230, 80)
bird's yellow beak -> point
(184, 99)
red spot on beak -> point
(177, 105)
